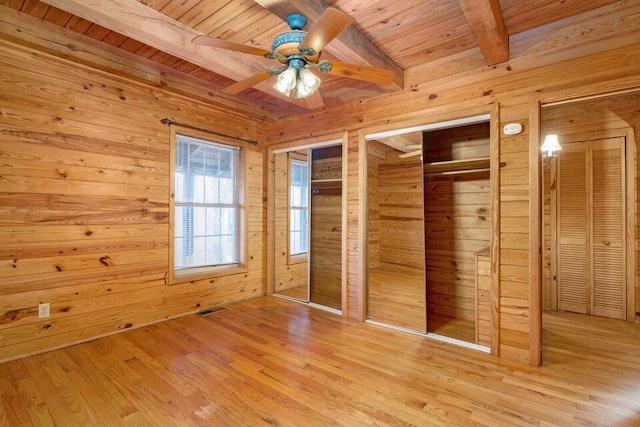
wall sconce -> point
(550, 147)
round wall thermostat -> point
(512, 128)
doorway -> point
(589, 213)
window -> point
(206, 222)
(298, 207)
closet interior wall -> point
(457, 229)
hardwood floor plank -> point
(270, 361)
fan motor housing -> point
(288, 44)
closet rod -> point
(167, 121)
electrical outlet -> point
(44, 310)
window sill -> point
(297, 259)
(203, 273)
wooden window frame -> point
(198, 273)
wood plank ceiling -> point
(393, 35)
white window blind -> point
(206, 204)
(299, 208)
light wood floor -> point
(274, 362)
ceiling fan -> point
(298, 52)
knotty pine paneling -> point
(468, 94)
(400, 203)
(483, 300)
(543, 65)
(84, 197)
(376, 152)
(354, 304)
(514, 237)
(451, 246)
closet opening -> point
(429, 229)
(306, 221)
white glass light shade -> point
(550, 146)
(310, 80)
(307, 83)
(286, 81)
(301, 90)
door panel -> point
(573, 229)
(609, 287)
(591, 228)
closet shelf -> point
(326, 180)
(457, 166)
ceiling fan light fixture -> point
(286, 81)
(310, 80)
(302, 91)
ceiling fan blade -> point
(361, 72)
(410, 154)
(224, 44)
(331, 23)
(413, 147)
(245, 84)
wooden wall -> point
(61, 106)
(542, 68)
(395, 208)
(287, 274)
(84, 196)
(457, 220)
(400, 203)
(376, 152)
(609, 116)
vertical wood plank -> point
(362, 226)
(345, 223)
(535, 235)
(553, 214)
(494, 164)
(631, 215)
(269, 162)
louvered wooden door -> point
(591, 228)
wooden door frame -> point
(271, 151)
(426, 122)
(536, 203)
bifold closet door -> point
(591, 228)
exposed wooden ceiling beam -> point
(485, 19)
(25, 29)
(146, 25)
(349, 46)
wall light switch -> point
(512, 128)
